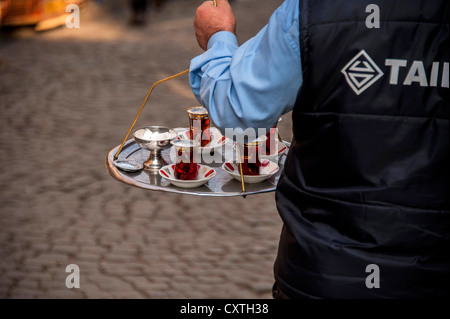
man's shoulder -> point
(288, 14)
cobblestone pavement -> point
(68, 96)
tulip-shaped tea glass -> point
(249, 156)
(186, 161)
(199, 126)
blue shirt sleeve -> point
(252, 85)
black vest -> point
(364, 193)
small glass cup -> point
(186, 167)
(249, 156)
(270, 147)
(272, 137)
(199, 125)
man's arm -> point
(254, 84)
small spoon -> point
(127, 165)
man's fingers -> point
(211, 3)
(208, 4)
(218, 2)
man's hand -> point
(210, 19)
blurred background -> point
(67, 97)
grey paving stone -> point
(66, 98)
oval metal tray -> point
(221, 185)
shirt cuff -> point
(223, 36)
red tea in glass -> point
(186, 167)
(251, 163)
(270, 147)
(199, 126)
(186, 171)
(271, 142)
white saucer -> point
(217, 139)
(205, 173)
(280, 146)
(267, 170)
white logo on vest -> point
(361, 72)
